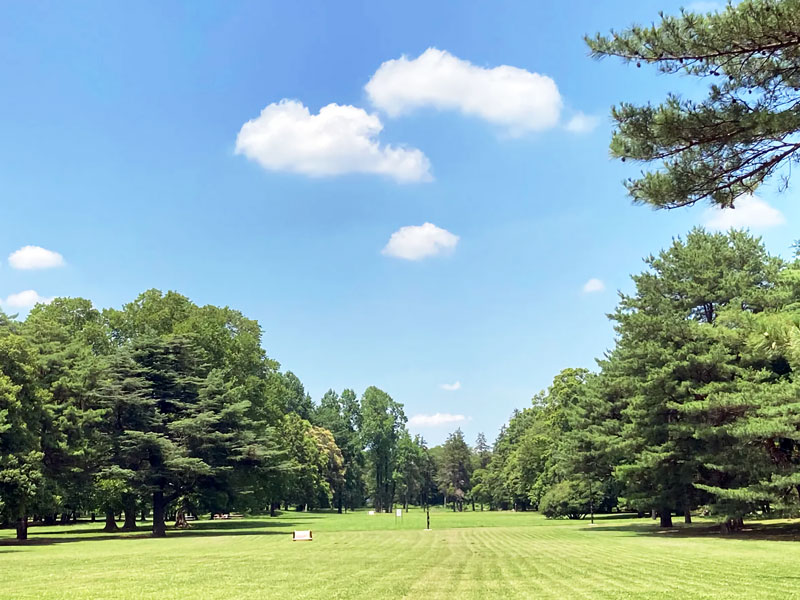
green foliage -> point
(455, 467)
(743, 131)
(382, 422)
(566, 498)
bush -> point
(565, 499)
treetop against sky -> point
(424, 205)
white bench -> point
(302, 536)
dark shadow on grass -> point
(197, 529)
(777, 532)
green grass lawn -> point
(467, 555)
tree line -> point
(696, 407)
(167, 409)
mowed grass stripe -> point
(502, 555)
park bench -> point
(302, 536)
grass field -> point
(467, 555)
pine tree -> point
(674, 355)
(455, 468)
(22, 416)
(745, 130)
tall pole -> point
(428, 516)
(591, 500)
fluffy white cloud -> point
(25, 299)
(340, 139)
(593, 285)
(35, 257)
(516, 99)
(451, 387)
(581, 123)
(436, 420)
(415, 242)
(749, 211)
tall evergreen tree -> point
(671, 351)
(455, 468)
(23, 415)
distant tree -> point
(342, 416)
(383, 421)
(22, 414)
(455, 468)
(296, 398)
(410, 464)
(482, 451)
(69, 340)
(316, 463)
(745, 130)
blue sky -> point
(121, 151)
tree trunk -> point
(22, 528)
(666, 518)
(687, 516)
(159, 510)
(180, 515)
(111, 523)
(130, 514)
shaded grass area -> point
(467, 555)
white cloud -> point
(415, 242)
(25, 299)
(593, 285)
(582, 123)
(337, 140)
(513, 98)
(35, 257)
(436, 420)
(750, 211)
(451, 387)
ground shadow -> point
(196, 529)
(779, 532)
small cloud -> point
(415, 242)
(337, 140)
(513, 98)
(26, 299)
(35, 257)
(436, 420)
(593, 285)
(451, 387)
(582, 123)
(750, 211)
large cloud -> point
(513, 98)
(436, 420)
(415, 242)
(25, 299)
(340, 139)
(35, 257)
(751, 211)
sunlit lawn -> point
(467, 555)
